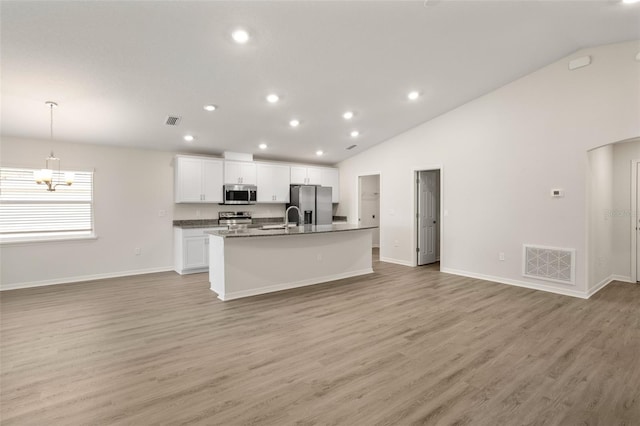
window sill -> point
(39, 240)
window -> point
(29, 212)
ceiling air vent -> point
(173, 120)
(350, 147)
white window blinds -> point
(28, 210)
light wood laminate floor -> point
(398, 347)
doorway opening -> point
(635, 220)
(428, 221)
(369, 206)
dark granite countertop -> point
(295, 230)
(196, 223)
(256, 222)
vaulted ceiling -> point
(118, 69)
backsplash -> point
(184, 211)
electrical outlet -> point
(162, 213)
(501, 256)
(137, 251)
(396, 243)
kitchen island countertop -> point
(295, 230)
(243, 264)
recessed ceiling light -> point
(189, 138)
(210, 108)
(630, 1)
(240, 36)
(348, 115)
(319, 153)
(294, 123)
(262, 146)
(355, 134)
(273, 98)
(413, 95)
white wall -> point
(131, 186)
(501, 155)
(623, 155)
(600, 232)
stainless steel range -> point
(235, 220)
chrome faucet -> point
(286, 216)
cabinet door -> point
(248, 174)
(188, 180)
(314, 176)
(232, 172)
(298, 175)
(331, 177)
(265, 183)
(212, 181)
(240, 172)
(195, 252)
(273, 183)
(281, 184)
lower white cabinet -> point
(191, 249)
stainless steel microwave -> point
(240, 194)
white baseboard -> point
(517, 283)
(288, 286)
(624, 279)
(396, 261)
(602, 284)
(81, 278)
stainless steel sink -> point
(281, 226)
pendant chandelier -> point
(46, 175)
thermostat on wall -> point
(557, 193)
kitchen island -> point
(247, 262)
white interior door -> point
(637, 218)
(428, 193)
(369, 205)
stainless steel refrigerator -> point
(314, 203)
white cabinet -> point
(240, 172)
(273, 183)
(191, 249)
(198, 179)
(325, 176)
(301, 175)
(331, 177)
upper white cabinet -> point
(301, 175)
(331, 177)
(325, 176)
(273, 183)
(240, 172)
(198, 179)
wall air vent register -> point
(549, 263)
